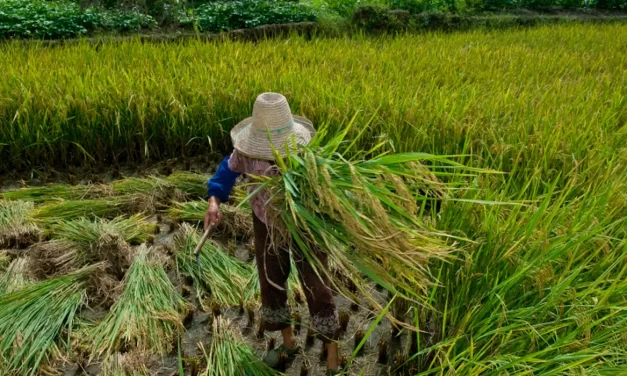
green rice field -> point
(536, 283)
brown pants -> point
(273, 264)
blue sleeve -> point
(222, 182)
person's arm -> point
(218, 190)
(222, 182)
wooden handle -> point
(203, 240)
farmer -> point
(272, 123)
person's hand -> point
(213, 216)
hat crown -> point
(271, 112)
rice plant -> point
(229, 355)
(146, 316)
(36, 321)
(192, 184)
(361, 213)
(80, 242)
(236, 222)
(17, 276)
(53, 192)
(17, 227)
(219, 275)
(83, 232)
(109, 207)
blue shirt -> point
(222, 182)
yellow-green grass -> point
(542, 101)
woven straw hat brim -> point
(255, 143)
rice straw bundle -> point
(228, 355)
(132, 363)
(107, 207)
(54, 192)
(146, 316)
(16, 225)
(193, 185)
(362, 213)
(134, 230)
(222, 276)
(32, 319)
(236, 222)
(158, 188)
(17, 276)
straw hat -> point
(272, 124)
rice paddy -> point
(528, 275)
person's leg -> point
(323, 313)
(273, 267)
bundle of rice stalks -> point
(228, 355)
(161, 189)
(193, 185)
(134, 230)
(17, 228)
(221, 276)
(132, 363)
(54, 192)
(17, 276)
(108, 207)
(236, 222)
(362, 213)
(33, 318)
(81, 242)
(146, 316)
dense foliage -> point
(244, 14)
(60, 19)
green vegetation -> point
(33, 319)
(228, 355)
(16, 225)
(17, 276)
(244, 14)
(146, 317)
(535, 286)
(220, 276)
(83, 232)
(63, 19)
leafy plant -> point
(244, 14)
(62, 19)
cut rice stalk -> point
(109, 207)
(228, 355)
(17, 276)
(17, 228)
(146, 316)
(222, 276)
(362, 213)
(236, 222)
(134, 230)
(193, 185)
(161, 189)
(33, 318)
(55, 192)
